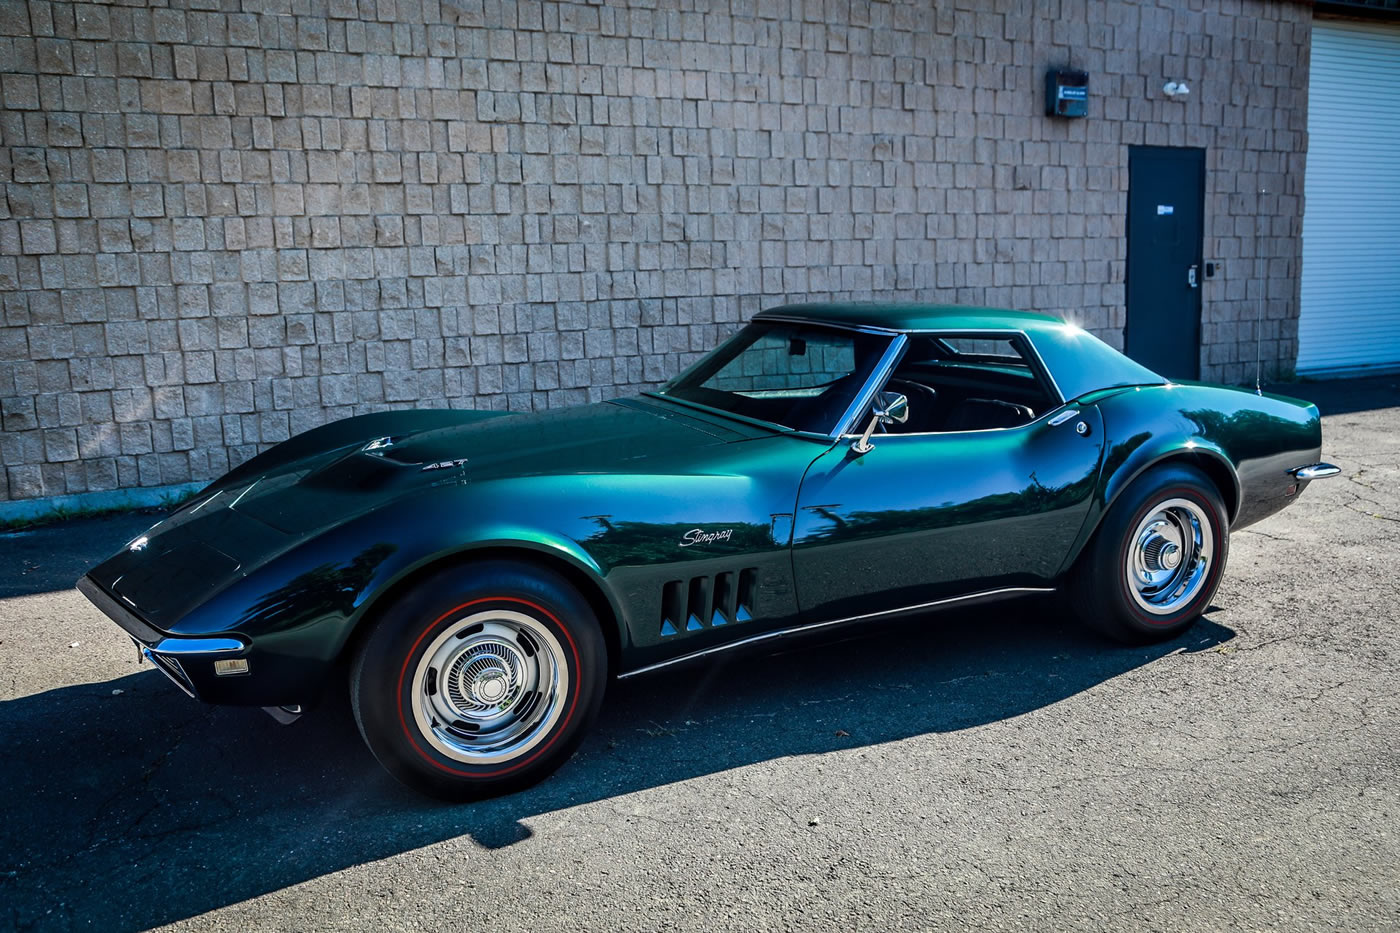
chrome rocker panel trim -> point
(1001, 593)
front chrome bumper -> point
(164, 650)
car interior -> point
(806, 378)
(971, 383)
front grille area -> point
(708, 602)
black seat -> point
(979, 414)
(923, 407)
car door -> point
(924, 517)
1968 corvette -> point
(483, 575)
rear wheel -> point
(481, 681)
(1156, 560)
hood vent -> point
(359, 472)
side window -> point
(969, 382)
(1000, 350)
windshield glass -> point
(798, 376)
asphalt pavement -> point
(998, 769)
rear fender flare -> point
(1196, 451)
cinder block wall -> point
(227, 221)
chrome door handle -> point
(1191, 276)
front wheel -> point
(1156, 560)
(481, 681)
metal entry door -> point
(1166, 195)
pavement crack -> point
(1264, 534)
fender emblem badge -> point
(696, 536)
(443, 464)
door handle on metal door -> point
(1191, 276)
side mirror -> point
(888, 408)
(891, 407)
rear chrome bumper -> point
(1315, 471)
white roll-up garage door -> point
(1350, 314)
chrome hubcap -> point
(1169, 556)
(490, 687)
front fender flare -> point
(496, 538)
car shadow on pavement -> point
(129, 807)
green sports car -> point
(484, 575)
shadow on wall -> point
(135, 810)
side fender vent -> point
(702, 603)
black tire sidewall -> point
(382, 679)
(1118, 614)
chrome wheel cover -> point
(1169, 556)
(490, 687)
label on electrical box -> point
(1072, 93)
(1165, 209)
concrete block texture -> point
(226, 221)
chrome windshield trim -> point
(881, 374)
(1315, 471)
(184, 646)
(1003, 592)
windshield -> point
(798, 376)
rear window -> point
(980, 350)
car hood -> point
(602, 437)
(237, 526)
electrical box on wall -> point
(1066, 93)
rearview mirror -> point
(888, 408)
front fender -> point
(301, 607)
(466, 541)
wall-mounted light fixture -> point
(1175, 89)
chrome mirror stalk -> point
(889, 408)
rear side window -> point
(998, 350)
(970, 382)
